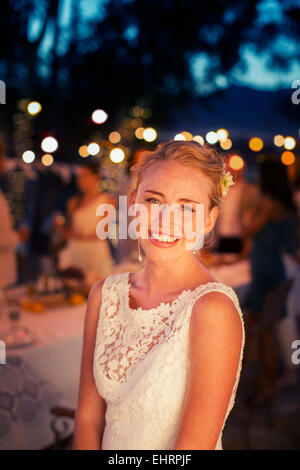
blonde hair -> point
(190, 153)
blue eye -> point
(188, 208)
(150, 199)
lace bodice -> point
(141, 364)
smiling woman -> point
(163, 346)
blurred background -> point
(86, 86)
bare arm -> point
(215, 345)
(91, 407)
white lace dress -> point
(141, 365)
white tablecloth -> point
(40, 376)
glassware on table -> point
(15, 334)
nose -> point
(167, 224)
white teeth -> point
(163, 238)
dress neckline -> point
(162, 304)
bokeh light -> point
(236, 162)
(256, 144)
(179, 137)
(278, 140)
(28, 156)
(83, 151)
(289, 143)
(149, 134)
(211, 137)
(34, 108)
(99, 116)
(117, 155)
(114, 137)
(93, 148)
(139, 132)
(288, 158)
(222, 134)
(49, 144)
(137, 111)
(47, 159)
(226, 144)
(199, 139)
(187, 135)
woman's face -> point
(168, 183)
(86, 179)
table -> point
(40, 376)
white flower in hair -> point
(226, 182)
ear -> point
(211, 220)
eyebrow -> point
(161, 194)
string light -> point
(199, 139)
(226, 144)
(288, 158)
(117, 155)
(139, 132)
(278, 140)
(83, 151)
(149, 134)
(187, 135)
(289, 143)
(99, 116)
(211, 137)
(93, 148)
(222, 134)
(47, 159)
(49, 144)
(114, 137)
(256, 144)
(236, 162)
(34, 108)
(179, 137)
(28, 156)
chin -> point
(157, 254)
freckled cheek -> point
(194, 224)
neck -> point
(158, 275)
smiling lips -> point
(163, 241)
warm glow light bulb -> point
(49, 144)
(117, 155)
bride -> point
(163, 346)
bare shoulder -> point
(96, 289)
(216, 311)
(95, 298)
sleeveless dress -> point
(141, 365)
(90, 255)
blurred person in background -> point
(229, 227)
(9, 238)
(84, 250)
(272, 229)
